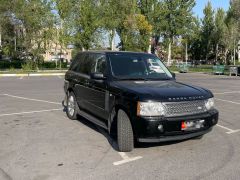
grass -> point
(200, 68)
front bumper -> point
(146, 128)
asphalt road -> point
(38, 141)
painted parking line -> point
(229, 131)
(30, 112)
(30, 99)
(125, 159)
(238, 103)
(229, 92)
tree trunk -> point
(206, 57)
(225, 56)
(169, 52)
(150, 45)
(238, 49)
(0, 38)
(234, 53)
(155, 44)
(111, 39)
(186, 52)
(216, 58)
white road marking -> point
(60, 77)
(19, 97)
(30, 112)
(238, 103)
(21, 77)
(230, 131)
(230, 92)
(126, 159)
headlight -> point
(150, 109)
(209, 103)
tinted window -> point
(129, 66)
(100, 64)
(76, 61)
(89, 63)
(86, 64)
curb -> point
(32, 74)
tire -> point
(71, 109)
(124, 132)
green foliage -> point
(137, 32)
(207, 29)
(8, 65)
(28, 27)
(29, 66)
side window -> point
(76, 62)
(100, 64)
(86, 64)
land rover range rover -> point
(123, 93)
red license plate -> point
(192, 125)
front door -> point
(98, 100)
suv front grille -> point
(184, 108)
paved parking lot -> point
(38, 141)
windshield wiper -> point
(158, 79)
(133, 78)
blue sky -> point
(200, 4)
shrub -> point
(29, 66)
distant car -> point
(121, 92)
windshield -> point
(138, 66)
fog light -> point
(160, 127)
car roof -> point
(115, 52)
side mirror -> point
(173, 75)
(97, 76)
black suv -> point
(136, 96)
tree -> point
(31, 21)
(137, 31)
(218, 33)
(190, 34)
(126, 9)
(207, 30)
(194, 40)
(176, 15)
(151, 9)
(86, 23)
(234, 18)
(110, 19)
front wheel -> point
(71, 106)
(124, 132)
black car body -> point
(147, 105)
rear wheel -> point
(71, 106)
(124, 132)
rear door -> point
(81, 77)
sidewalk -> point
(37, 73)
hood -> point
(162, 90)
